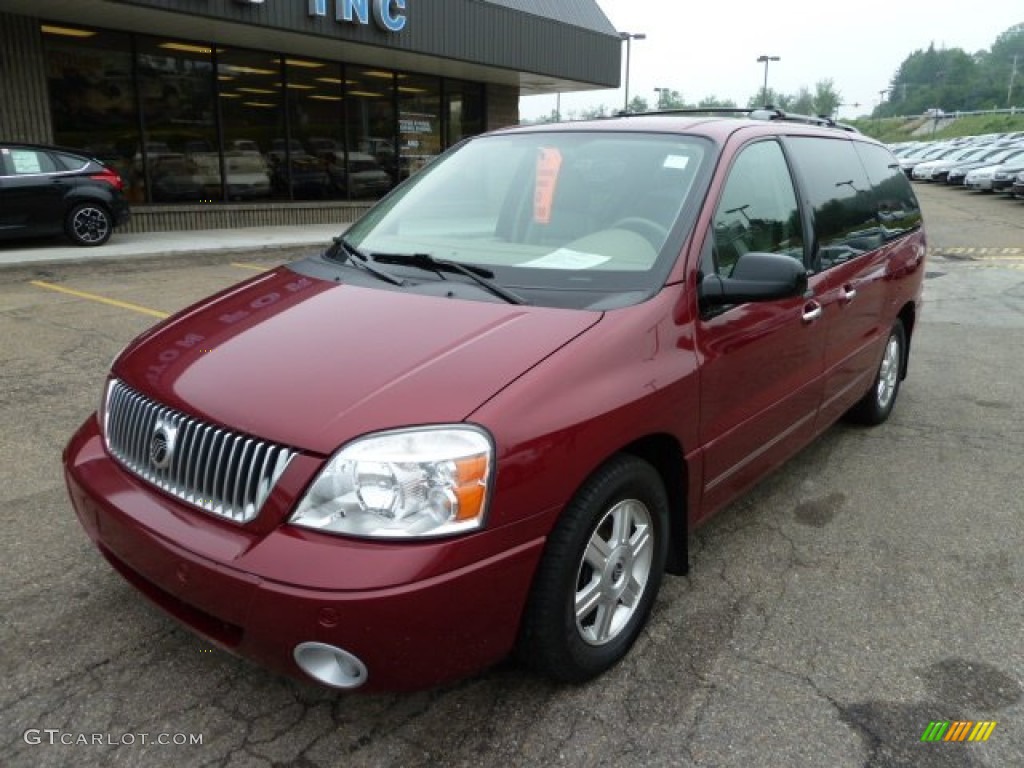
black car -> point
(50, 190)
(1017, 190)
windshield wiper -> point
(344, 251)
(478, 275)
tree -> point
(591, 113)
(952, 79)
(713, 102)
(670, 99)
(1005, 83)
(638, 104)
(775, 99)
(803, 102)
(826, 98)
(551, 117)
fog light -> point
(330, 666)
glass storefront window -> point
(256, 147)
(419, 122)
(370, 127)
(465, 109)
(92, 96)
(185, 121)
(315, 120)
(177, 158)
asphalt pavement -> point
(870, 588)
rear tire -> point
(876, 405)
(89, 224)
(599, 575)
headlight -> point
(405, 484)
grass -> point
(893, 129)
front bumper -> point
(454, 611)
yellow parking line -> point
(101, 299)
(1000, 258)
(256, 267)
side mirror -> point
(756, 277)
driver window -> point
(758, 209)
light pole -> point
(764, 58)
(629, 37)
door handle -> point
(847, 294)
(812, 311)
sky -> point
(702, 48)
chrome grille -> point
(222, 472)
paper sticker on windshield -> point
(564, 258)
(676, 161)
(549, 163)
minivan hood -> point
(313, 363)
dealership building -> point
(222, 113)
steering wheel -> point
(648, 228)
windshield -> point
(561, 212)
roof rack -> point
(773, 113)
(767, 112)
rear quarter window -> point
(69, 162)
(892, 198)
(844, 201)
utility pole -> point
(1013, 74)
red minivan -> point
(491, 414)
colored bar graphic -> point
(958, 730)
(935, 731)
(982, 731)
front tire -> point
(599, 575)
(878, 402)
(89, 224)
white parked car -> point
(981, 178)
(919, 155)
(923, 171)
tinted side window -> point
(892, 198)
(841, 196)
(758, 210)
(71, 162)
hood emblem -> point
(161, 445)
